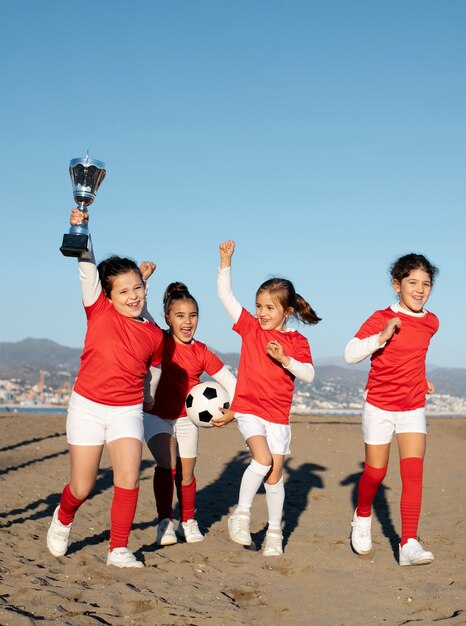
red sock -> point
(163, 491)
(188, 500)
(122, 515)
(368, 484)
(68, 506)
(411, 496)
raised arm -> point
(88, 274)
(224, 289)
(147, 268)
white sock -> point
(275, 496)
(250, 483)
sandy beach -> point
(318, 581)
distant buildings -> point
(326, 397)
(17, 393)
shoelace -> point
(273, 541)
(61, 532)
(243, 523)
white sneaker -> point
(238, 527)
(58, 535)
(361, 534)
(412, 553)
(123, 557)
(273, 543)
(166, 535)
(189, 531)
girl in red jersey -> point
(397, 338)
(170, 435)
(106, 404)
(271, 358)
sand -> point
(318, 581)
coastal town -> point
(325, 397)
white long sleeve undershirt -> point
(91, 287)
(227, 380)
(359, 349)
(225, 293)
(302, 371)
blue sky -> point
(326, 138)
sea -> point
(329, 413)
(33, 409)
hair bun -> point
(175, 288)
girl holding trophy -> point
(120, 367)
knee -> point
(264, 458)
(275, 479)
(81, 491)
(128, 479)
(187, 478)
(374, 475)
(261, 469)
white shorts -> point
(378, 426)
(186, 433)
(92, 424)
(278, 435)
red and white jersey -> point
(182, 366)
(397, 378)
(265, 387)
(117, 353)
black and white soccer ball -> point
(203, 402)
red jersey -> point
(397, 378)
(264, 387)
(117, 353)
(182, 366)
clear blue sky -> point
(326, 138)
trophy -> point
(86, 175)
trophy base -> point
(76, 245)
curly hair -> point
(404, 265)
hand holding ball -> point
(203, 402)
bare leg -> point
(84, 464)
(125, 455)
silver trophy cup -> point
(86, 176)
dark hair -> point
(404, 265)
(283, 290)
(112, 267)
(176, 291)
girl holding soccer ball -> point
(171, 436)
(272, 356)
(397, 339)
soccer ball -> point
(203, 401)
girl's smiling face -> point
(413, 290)
(128, 294)
(182, 320)
(270, 313)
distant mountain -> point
(334, 380)
(24, 360)
(448, 380)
